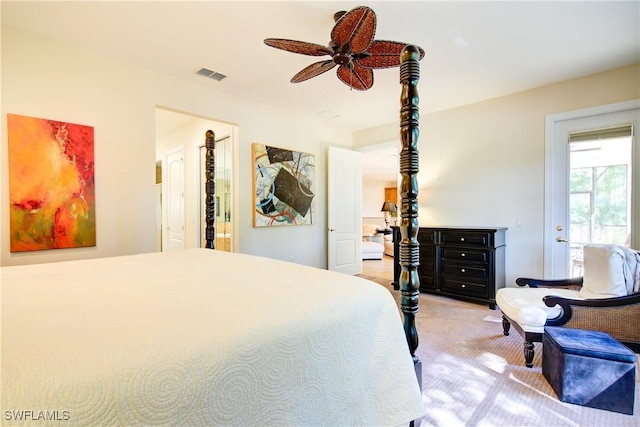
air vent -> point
(211, 74)
(327, 114)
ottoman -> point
(589, 368)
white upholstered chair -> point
(606, 298)
(372, 243)
(388, 244)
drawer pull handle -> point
(462, 270)
(462, 239)
(463, 254)
(464, 286)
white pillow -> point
(632, 272)
(604, 271)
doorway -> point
(380, 183)
(180, 131)
(380, 179)
(591, 184)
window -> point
(599, 189)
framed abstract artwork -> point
(283, 186)
(51, 184)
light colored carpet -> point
(473, 375)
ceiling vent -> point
(211, 74)
(327, 114)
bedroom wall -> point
(483, 164)
(42, 78)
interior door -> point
(175, 233)
(580, 207)
(344, 202)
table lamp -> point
(388, 207)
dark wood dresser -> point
(467, 263)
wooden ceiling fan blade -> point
(356, 77)
(384, 54)
(313, 70)
(356, 27)
(295, 46)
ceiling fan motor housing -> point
(342, 58)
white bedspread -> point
(201, 337)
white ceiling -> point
(475, 50)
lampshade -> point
(388, 206)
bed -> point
(206, 337)
(157, 339)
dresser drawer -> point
(467, 255)
(426, 236)
(465, 237)
(427, 268)
(465, 288)
(465, 272)
(427, 282)
(427, 253)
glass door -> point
(599, 191)
(592, 182)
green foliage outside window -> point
(598, 204)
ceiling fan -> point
(352, 48)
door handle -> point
(561, 240)
(332, 229)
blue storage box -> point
(589, 368)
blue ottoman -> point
(589, 368)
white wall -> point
(483, 164)
(42, 78)
(372, 200)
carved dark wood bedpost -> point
(210, 189)
(409, 251)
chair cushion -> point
(525, 306)
(609, 271)
(372, 250)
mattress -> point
(201, 337)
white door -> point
(344, 202)
(159, 217)
(575, 162)
(174, 201)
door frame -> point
(551, 157)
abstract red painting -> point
(51, 184)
